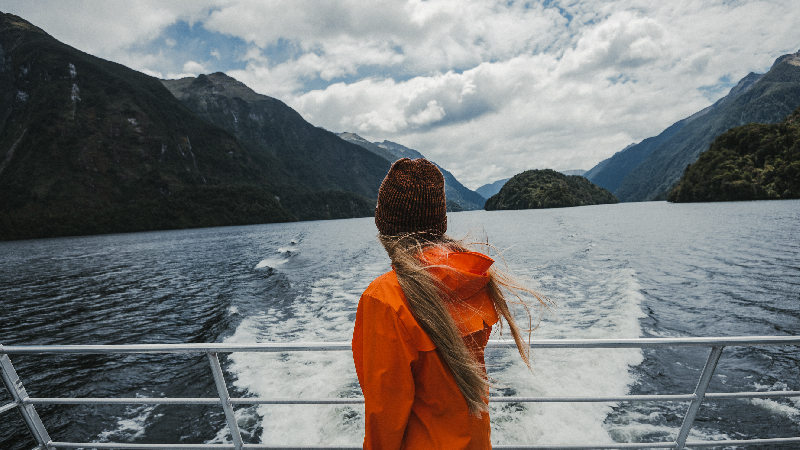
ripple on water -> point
(628, 270)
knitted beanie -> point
(411, 199)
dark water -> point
(630, 270)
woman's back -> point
(425, 408)
(421, 328)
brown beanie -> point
(411, 199)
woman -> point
(421, 329)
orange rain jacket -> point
(412, 400)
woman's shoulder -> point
(386, 289)
(385, 294)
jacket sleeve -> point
(383, 356)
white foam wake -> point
(131, 424)
(607, 306)
(592, 304)
(324, 315)
(270, 263)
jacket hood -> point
(465, 275)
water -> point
(617, 271)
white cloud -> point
(485, 88)
(106, 27)
(194, 67)
(627, 74)
(432, 113)
(621, 42)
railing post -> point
(222, 390)
(699, 394)
(19, 395)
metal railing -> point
(25, 404)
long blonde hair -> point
(427, 298)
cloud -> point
(487, 89)
(626, 73)
(622, 42)
(423, 36)
(108, 27)
(194, 67)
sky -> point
(486, 89)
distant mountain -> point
(89, 146)
(534, 189)
(751, 162)
(647, 170)
(321, 169)
(459, 197)
(488, 190)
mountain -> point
(751, 162)
(321, 169)
(647, 170)
(534, 189)
(459, 197)
(488, 190)
(89, 146)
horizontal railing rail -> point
(360, 400)
(738, 341)
(25, 404)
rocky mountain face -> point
(459, 197)
(317, 164)
(751, 162)
(89, 146)
(535, 189)
(647, 170)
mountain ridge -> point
(89, 146)
(648, 169)
(321, 161)
(459, 197)
(489, 189)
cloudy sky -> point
(486, 89)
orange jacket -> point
(412, 400)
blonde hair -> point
(427, 297)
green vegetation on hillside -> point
(751, 162)
(547, 188)
(89, 146)
(649, 169)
